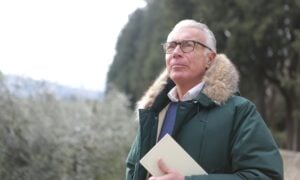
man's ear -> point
(211, 57)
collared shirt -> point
(191, 94)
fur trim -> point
(150, 95)
(221, 82)
(221, 79)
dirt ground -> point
(291, 162)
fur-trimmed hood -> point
(221, 82)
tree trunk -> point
(289, 130)
(261, 96)
(294, 136)
(271, 97)
(293, 122)
(296, 125)
(297, 135)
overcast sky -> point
(71, 42)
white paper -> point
(173, 155)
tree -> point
(261, 38)
(265, 51)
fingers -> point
(170, 174)
(163, 167)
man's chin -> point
(178, 77)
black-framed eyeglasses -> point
(186, 46)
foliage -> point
(43, 138)
(261, 38)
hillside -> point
(25, 87)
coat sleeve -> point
(132, 159)
(254, 153)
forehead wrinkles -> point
(186, 33)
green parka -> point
(220, 130)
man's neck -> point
(181, 92)
(189, 95)
(182, 89)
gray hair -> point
(210, 37)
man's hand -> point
(170, 174)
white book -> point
(173, 155)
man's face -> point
(187, 68)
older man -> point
(196, 101)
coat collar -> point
(221, 82)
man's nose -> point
(177, 49)
(177, 53)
